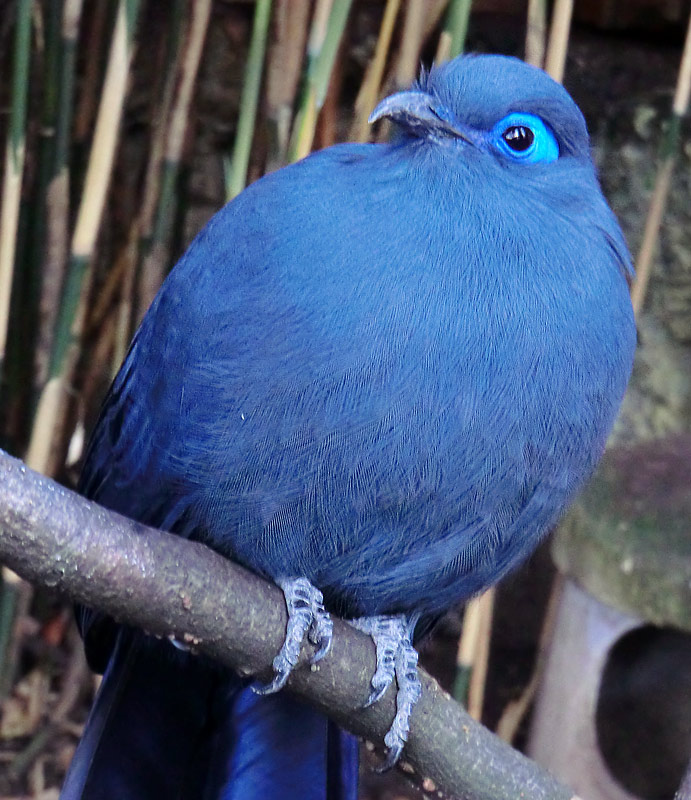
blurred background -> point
(127, 123)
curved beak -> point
(423, 116)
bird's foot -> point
(396, 658)
(307, 617)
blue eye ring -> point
(526, 139)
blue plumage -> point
(387, 368)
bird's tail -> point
(168, 724)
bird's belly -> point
(415, 510)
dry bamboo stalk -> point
(408, 64)
(515, 711)
(653, 222)
(369, 91)
(467, 649)
(201, 12)
(326, 131)
(443, 48)
(128, 269)
(663, 181)
(555, 60)
(286, 54)
(9, 219)
(478, 676)
(434, 9)
(105, 139)
(535, 32)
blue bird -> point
(377, 377)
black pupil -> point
(518, 137)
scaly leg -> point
(396, 658)
(307, 617)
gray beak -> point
(422, 116)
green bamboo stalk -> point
(669, 149)
(237, 173)
(13, 589)
(71, 18)
(456, 27)
(46, 173)
(328, 25)
(97, 180)
(24, 317)
(99, 170)
(15, 598)
(14, 165)
(55, 244)
(155, 260)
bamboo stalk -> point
(467, 647)
(29, 289)
(478, 676)
(286, 54)
(155, 260)
(135, 288)
(58, 191)
(14, 594)
(473, 653)
(237, 175)
(555, 60)
(536, 30)
(15, 597)
(670, 147)
(326, 132)
(14, 165)
(515, 711)
(452, 39)
(87, 103)
(369, 91)
(98, 175)
(328, 25)
(408, 64)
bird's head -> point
(494, 104)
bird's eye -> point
(518, 138)
(525, 138)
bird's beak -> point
(423, 116)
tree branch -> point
(170, 586)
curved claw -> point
(396, 658)
(393, 753)
(376, 696)
(321, 632)
(307, 618)
(279, 681)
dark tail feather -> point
(275, 746)
(148, 732)
(170, 724)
